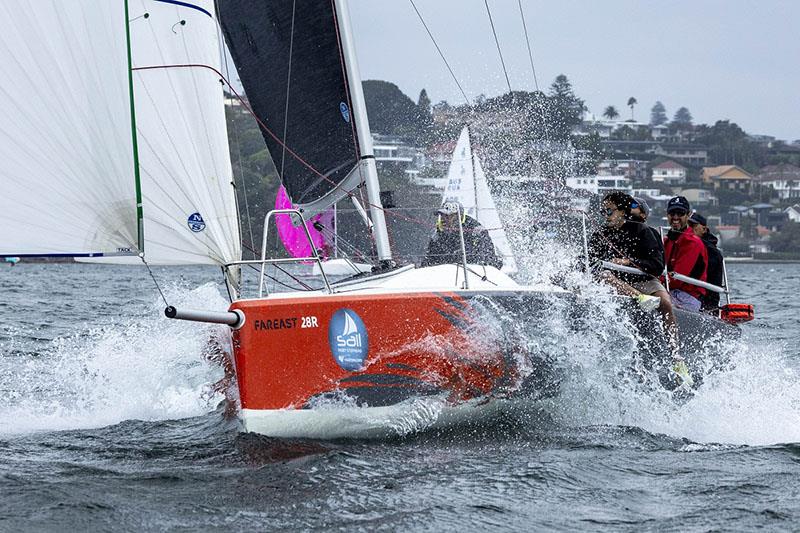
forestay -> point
(467, 184)
(67, 164)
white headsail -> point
(68, 172)
(467, 184)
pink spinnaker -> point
(294, 237)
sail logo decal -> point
(345, 111)
(196, 222)
(347, 336)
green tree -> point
(728, 144)
(682, 118)
(423, 102)
(787, 240)
(565, 109)
(658, 114)
(611, 112)
(631, 103)
(391, 112)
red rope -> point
(277, 139)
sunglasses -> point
(609, 211)
(678, 213)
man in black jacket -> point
(445, 245)
(714, 273)
(630, 243)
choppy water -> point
(108, 423)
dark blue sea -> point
(109, 423)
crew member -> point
(714, 273)
(639, 213)
(445, 245)
(685, 254)
(624, 241)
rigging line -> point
(497, 42)
(141, 256)
(264, 127)
(247, 106)
(288, 86)
(528, 42)
(235, 128)
(440, 53)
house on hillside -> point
(600, 184)
(669, 172)
(694, 154)
(728, 177)
(784, 180)
(633, 169)
(793, 213)
(698, 197)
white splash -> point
(149, 368)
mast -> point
(359, 113)
(474, 177)
(136, 171)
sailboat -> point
(467, 184)
(114, 145)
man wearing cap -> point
(684, 254)
(445, 245)
(714, 274)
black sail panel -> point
(289, 59)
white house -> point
(600, 184)
(793, 213)
(669, 172)
(784, 179)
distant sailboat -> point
(466, 183)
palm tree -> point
(611, 112)
(632, 102)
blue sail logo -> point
(196, 222)
(345, 111)
(347, 336)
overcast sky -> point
(736, 60)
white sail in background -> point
(466, 183)
(66, 146)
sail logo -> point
(347, 337)
(196, 222)
(345, 111)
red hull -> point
(292, 351)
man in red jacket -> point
(685, 254)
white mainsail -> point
(467, 184)
(67, 165)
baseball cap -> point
(697, 218)
(678, 203)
